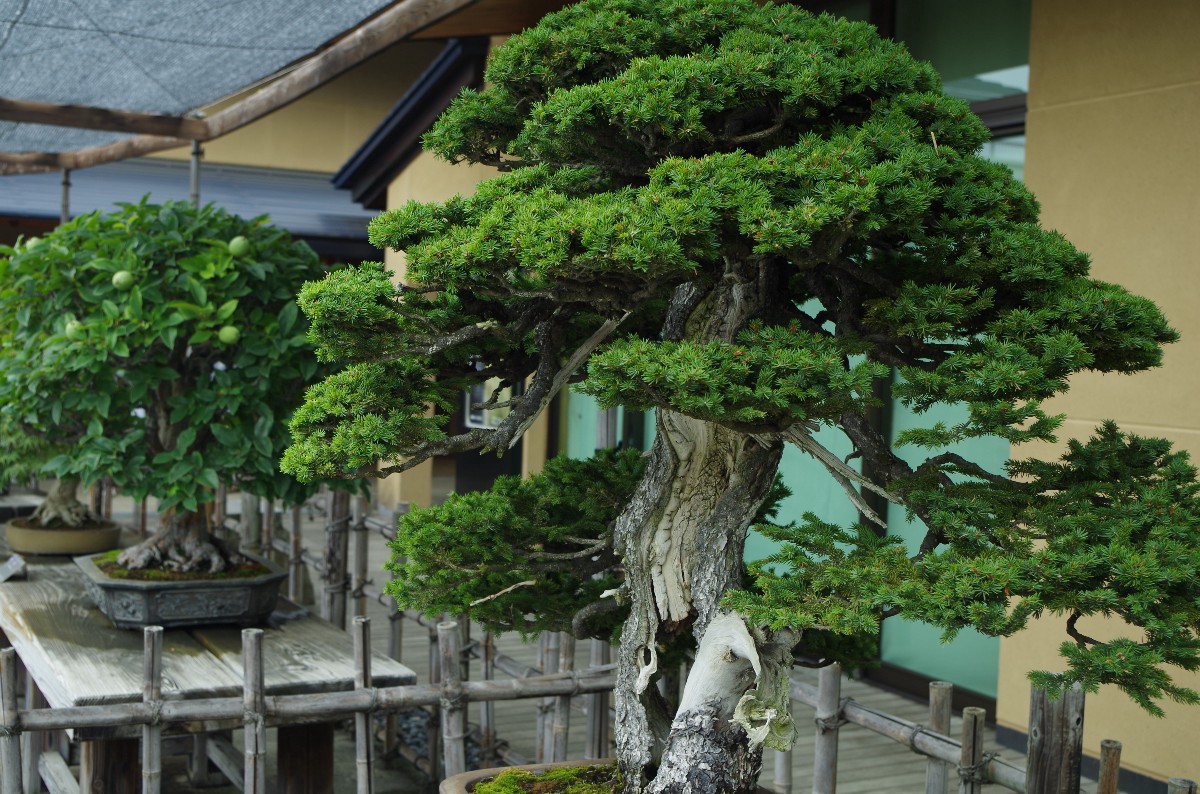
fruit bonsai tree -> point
(160, 346)
(744, 217)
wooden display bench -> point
(74, 656)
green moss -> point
(564, 780)
(107, 562)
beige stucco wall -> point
(1114, 105)
(321, 130)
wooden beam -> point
(398, 22)
(492, 18)
(96, 118)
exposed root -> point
(180, 552)
(61, 508)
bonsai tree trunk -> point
(62, 507)
(183, 543)
(681, 539)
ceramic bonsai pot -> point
(24, 538)
(133, 604)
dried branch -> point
(509, 589)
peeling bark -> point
(681, 539)
(62, 507)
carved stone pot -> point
(133, 604)
(25, 538)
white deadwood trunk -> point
(681, 539)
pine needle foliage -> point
(653, 151)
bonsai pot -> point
(134, 603)
(25, 538)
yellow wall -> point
(1114, 105)
(320, 131)
(430, 179)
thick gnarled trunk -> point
(681, 539)
(183, 543)
(62, 507)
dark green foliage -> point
(746, 214)
(552, 531)
(129, 377)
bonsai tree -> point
(743, 217)
(160, 346)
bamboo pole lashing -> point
(10, 725)
(828, 719)
(453, 704)
(363, 740)
(560, 730)
(254, 711)
(970, 764)
(937, 772)
(152, 638)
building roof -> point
(397, 139)
(303, 202)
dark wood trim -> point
(1003, 116)
(907, 682)
(397, 139)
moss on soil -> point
(107, 562)
(563, 780)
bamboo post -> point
(1055, 741)
(194, 174)
(937, 773)
(395, 651)
(596, 738)
(433, 730)
(539, 728)
(783, 771)
(250, 522)
(253, 707)
(32, 742)
(296, 560)
(363, 741)
(970, 764)
(267, 541)
(487, 712)
(10, 726)
(336, 546)
(562, 705)
(453, 704)
(550, 665)
(1110, 766)
(359, 581)
(152, 695)
(64, 210)
(829, 713)
(1181, 785)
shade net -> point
(154, 56)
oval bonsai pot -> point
(134, 603)
(24, 538)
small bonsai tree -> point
(743, 216)
(160, 346)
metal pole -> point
(64, 214)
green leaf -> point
(287, 317)
(227, 309)
(135, 303)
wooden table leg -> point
(33, 742)
(111, 766)
(305, 759)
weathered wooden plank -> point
(227, 758)
(305, 655)
(78, 658)
(56, 774)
